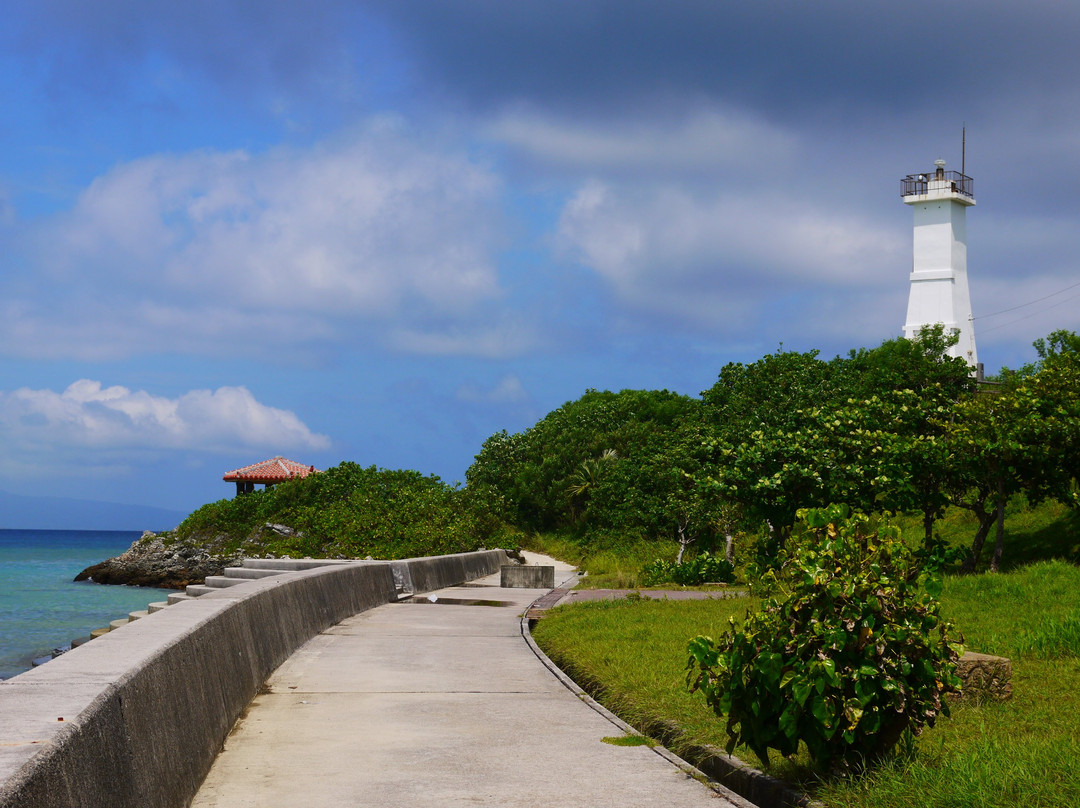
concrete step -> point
(222, 581)
(249, 574)
(196, 590)
(99, 632)
(80, 641)
(115, 624)
(158, 606)
(133, 616)
(178, 597)
(289, 564)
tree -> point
(585, 477)
(873, 454)
(866, 430)
(769, 393)
(922, 365)
(551, 476)
(1024, 436)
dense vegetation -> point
(348, 511)
(901, 428)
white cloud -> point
(89, 416)
(373, 229)
(709, 255)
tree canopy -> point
(900, 427)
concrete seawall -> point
(136, 717)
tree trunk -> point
(999, 542)
(729, 548)
(986, 521)
(684, 542)
(928, 527)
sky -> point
(384, 230)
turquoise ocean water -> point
(41, 608)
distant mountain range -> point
(63, 513)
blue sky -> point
(382, 231)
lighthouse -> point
(939, 284)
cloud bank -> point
(185, 252)
(87, 415)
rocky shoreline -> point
(159, 560)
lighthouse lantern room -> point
(939, 284)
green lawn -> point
(631, 653)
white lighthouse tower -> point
(939, 284)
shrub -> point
(657, 572)
(849, 652)
(703, 569)
(349, 511)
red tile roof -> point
(274, 470)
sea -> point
(42, 608)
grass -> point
(630, 655)
(1032, 532)
(610, 563)
(629, 740)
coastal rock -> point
(159, 560)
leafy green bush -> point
(705, 568)
(658, 572)
(849, 653)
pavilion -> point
(268, 473)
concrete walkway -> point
(436, 704)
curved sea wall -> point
(136, 717)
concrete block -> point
(244, 572)
(515, 576)
(157, 606)
(221, 581)
(177, 597)
(289, 564)
(984, 677)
